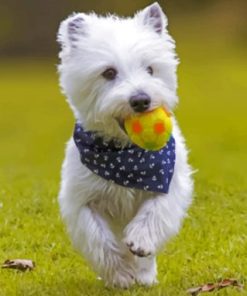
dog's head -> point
(111, 67)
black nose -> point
(140, 102)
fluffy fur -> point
(119, 229)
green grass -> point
(35, 122)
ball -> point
(149, 130)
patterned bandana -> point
(130, 166)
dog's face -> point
(111, 67)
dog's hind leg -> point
(93, 237)
(146, 271)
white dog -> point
(110, 68)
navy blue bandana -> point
(130, 166)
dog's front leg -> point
(158, 219)
(93, 237)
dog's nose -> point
(140, 102)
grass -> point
(35, 123)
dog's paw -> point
(146, 279)
(118, 272)
(140, 251)
(121, 279)
(138, 241)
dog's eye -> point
(110, 74)
(150, 70)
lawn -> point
(35, 123)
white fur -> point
(106, 220)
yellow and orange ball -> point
(149, 130)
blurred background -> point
(28, 28)
(35, 121)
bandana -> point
(130, 166)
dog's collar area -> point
(130, 166)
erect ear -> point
(71, 30)
(154, 17)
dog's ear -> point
(154, 17)
(71, 30)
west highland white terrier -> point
(119, 201)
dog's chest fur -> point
(118, 203)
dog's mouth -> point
(121, 124)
